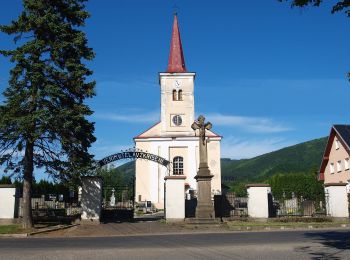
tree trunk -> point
(27, 185)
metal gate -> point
(118, 203)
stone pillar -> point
(205, 207)
(337, 204)
(258, 206)
(7, 201)
(91, 199)
(174, 197)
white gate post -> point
(174, 197)
(258, 206)
(91, 199)
(337, 205)
(7, 201)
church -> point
(172, 137)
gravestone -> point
(112, 199)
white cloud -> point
(149, 117)
(236, 148)
(251, 124)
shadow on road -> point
(119, 216)
(334, 243)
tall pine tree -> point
(43, 118)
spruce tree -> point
(43, 118)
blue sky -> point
(268, 76)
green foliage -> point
(42, 121)
(337, 7)
(298, 158)
(239, 189)
(303, 185)
(44, 187)
(5, 180)
(121, 179)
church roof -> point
(176, 63)
(155, 132)
(343, 134)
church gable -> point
(153, 131)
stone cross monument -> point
(205, 207)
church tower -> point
(172, 137)
(177, 90)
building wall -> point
(169, 107)
(150, 175)
(336, 155)
(143, 175)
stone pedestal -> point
(205, 207)
(7, 201)
(337, 200)
(91, 199)
(174, 197)
(258, 205)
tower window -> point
(174, 95)
(180, 94)
(178, 165)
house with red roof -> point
(335, 165)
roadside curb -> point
(43, 230)
(55, 228)
(14, 235)
(287, 227)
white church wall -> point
(150, 176)
(142, 174)
(214, 162)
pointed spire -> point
(176, 62)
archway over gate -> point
(118, 202)
(134, 154)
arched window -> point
(178, 165)
(180, 95)
(174, 95)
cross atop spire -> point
(176, 62)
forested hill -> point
(302, 157)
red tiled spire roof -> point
(176, 57)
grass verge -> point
(11, 229)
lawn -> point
(10, 229)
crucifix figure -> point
(202, 127)
(204, 209)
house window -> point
(178, 165)
(346, 162)
(174, 95)
(336, 144)
(339, 166)
(331, 168)
(180, 95)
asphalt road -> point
(249, 245)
